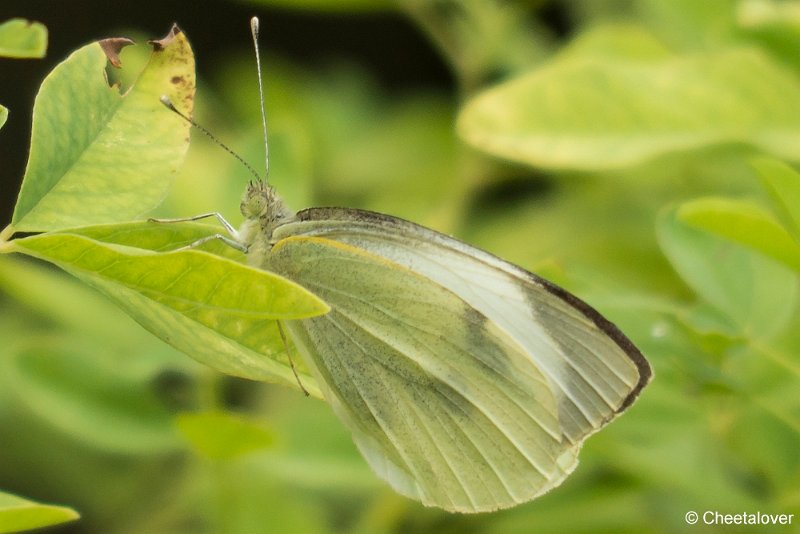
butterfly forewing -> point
(593, 370)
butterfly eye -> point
(255, 201)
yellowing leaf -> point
(590, 111)
(98, 156)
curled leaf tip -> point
(112, 47)
(160, 44)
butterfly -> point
(467, 382)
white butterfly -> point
(467, 382)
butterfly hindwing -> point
(442, 403)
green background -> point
(617, 161)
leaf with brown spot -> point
(98, 156)
(112, 47)
(164, 42)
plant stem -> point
(480, 39)
(5, 234)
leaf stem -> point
(478, 39)
(7, 232)
(5, 235)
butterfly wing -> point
(468, 383)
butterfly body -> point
(264, 210)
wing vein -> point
(484, 410)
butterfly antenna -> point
(254, 31)
(170, 106)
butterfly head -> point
(262, 202)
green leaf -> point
(96, 155)
(783, 185)
(622, 41)
(218, 311)
(21, 38)
(691, 25)
(18, 514)
(183, 280)
(744, 223)
(223, 435)
(773, 24)
(97, 401)
(590, 111)
(159, 237)
(3, 115)
(756, 293)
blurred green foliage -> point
(636, 188)
(17, 514)
(20, 38)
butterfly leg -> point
(232, 241)
(291, 362)
(228, 226)
(225, 239)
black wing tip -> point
(612, 331)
